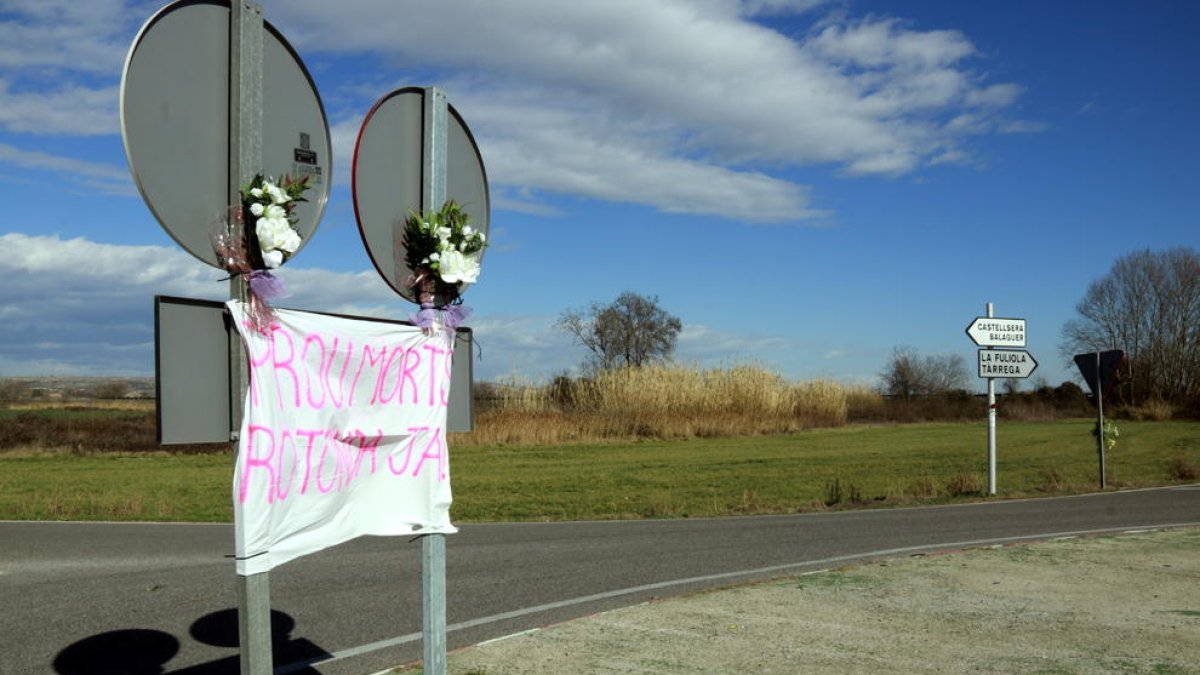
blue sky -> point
(807, 184)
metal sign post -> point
(433, 546)
(413, 153)
(245, 160)
(1100, 424)
(990, 332)
(189, 165)
(991, 432)
(1100, 370)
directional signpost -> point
(991, 332)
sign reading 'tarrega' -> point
(1014, 363)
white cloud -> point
(578, 153)
(688, 106)
(526, 348)
(714, 347)
(777, 7)
(76, 306)
(885, 43)
(997, 95)
(93, 176)
(685, 106)
(90, 36)
(75, 110)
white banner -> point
(343, 434)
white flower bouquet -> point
(269, 207)
(257, 236)
(443, 250)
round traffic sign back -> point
(175, 122)
(387, 180)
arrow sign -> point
(1006, 363)
(986, 331)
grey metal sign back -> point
(175, 121)
(392, 176)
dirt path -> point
(1123, 604)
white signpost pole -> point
(1100, 420)
(245, 160)
(433, 546)
(991, 433)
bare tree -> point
(1149, 306)
(908, 375)
(633, 330)
(12, 390)
(945, 373)
(111, 390)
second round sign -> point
(394, 166)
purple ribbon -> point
(452, 316)
(267, 286)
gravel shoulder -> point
(1113, 604)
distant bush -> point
(12, 391)
(110, 390)
(87, 431)
(1046, 403)
(1154, 410)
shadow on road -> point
(138, 651)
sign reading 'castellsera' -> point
(991, 332)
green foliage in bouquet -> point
(443, 248)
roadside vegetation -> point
(652, 442)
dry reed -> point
(667, 402)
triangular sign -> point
(1110, 361)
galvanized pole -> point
(245, 160)
(1100, 421)
(991, 393)
(433, 546)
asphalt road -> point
(153, 598)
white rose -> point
(274, 211)
(456, 267)
(468, 231)
(266, 234)
(272, 259)
(444, 233)
(270, 232)
(256, 192)
(290, 241)
(278, 196)
(256, 209)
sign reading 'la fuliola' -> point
(1006, 363)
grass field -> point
(810, 470)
